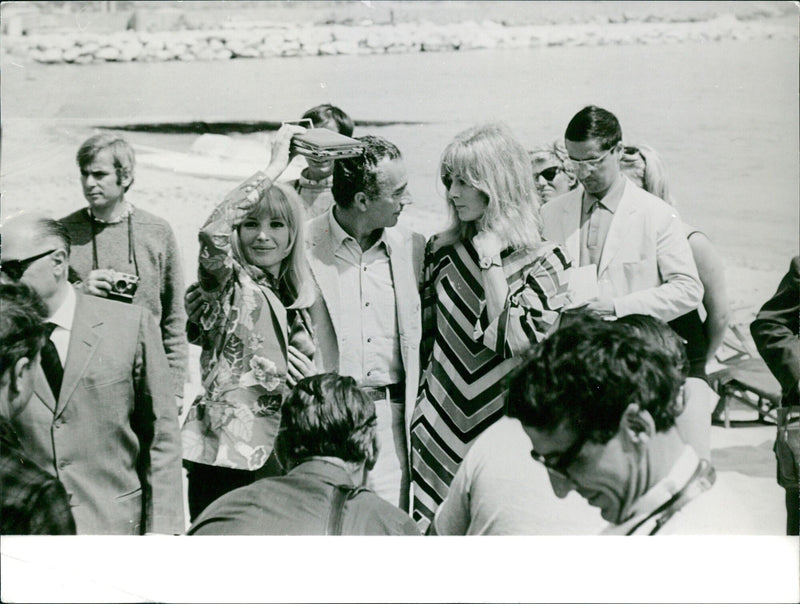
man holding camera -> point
(102, 418)
(124, 253)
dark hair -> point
(359, 174)
(328, 415)
(327, 112)
(22, 329)
(662, 335)
(121, 153)
(587, 373)
(594, 122)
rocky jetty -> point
(280, 40)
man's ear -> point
(372, 458)
(637, 425)
(125, 180)
(60, 260)
(361, 201)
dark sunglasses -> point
(548, 173)
(14, 269)
(560, 462)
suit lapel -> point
(618, 230)
(83, 341)
(571, 225)
(321, 259)
(42, 389)
(405, 283)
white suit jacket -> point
(408, 249)
(646, 265)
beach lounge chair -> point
(744, 377)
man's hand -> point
(280, 155)
(602, 306)
(194, 302)
(99, 282)
(300, 366)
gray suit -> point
(112, 436)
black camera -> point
(123, 287)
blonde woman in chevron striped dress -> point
(491, 288)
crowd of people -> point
(541, 360)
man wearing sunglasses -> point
(598, 402)
(102, 418)
(640, 260)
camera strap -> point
(131, 249)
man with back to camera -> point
(110, 236)
(326, 442)
(102, 418)
(32, 502)
(367, 314)
(598, 403)
(776, 333)
(633, 240)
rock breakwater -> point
(276, 40)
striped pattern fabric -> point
(466, 358)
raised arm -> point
(530, 311)
(215, 260)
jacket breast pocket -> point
(640, 274)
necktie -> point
(593, 237)
(51, 364)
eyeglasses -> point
(588, 164)
(14, 269)
(560, 462)
(548, 174)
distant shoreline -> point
(274, 39)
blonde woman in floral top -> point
(253, 328)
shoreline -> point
(267, 40)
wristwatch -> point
(488, 262)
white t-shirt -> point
(500, 490)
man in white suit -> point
(367, 315)
(634, 241)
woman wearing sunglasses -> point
(551, 172)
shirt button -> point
(369, 373)
(366, 304)
(369, 340)
(365, 268)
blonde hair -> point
(644, 166)
(282, 203)
(491, 160)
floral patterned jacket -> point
(244, 332)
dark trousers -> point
(792, 511)
(208, 483)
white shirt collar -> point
(65, 313)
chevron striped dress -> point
(466, 358)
